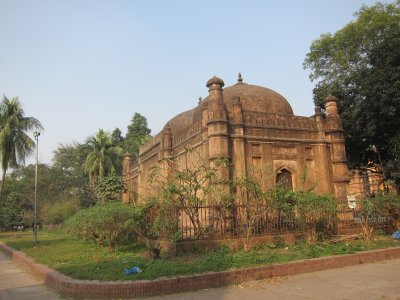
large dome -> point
(257, 98)
(252, 97)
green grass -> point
(84, 260)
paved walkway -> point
(17, 284)
(365, 282)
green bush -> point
(109, 189)
(313, 209)
(390, 207)
(162, 221)
(11, 212)
(381, 205)
(107, 224)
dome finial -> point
(240, 78)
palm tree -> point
(15, 144)
(102, 160)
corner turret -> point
(331, 106)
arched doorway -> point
(285, 213)
(284, 179)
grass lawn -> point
(84, 260)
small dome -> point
(215, 80)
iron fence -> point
(217, 222)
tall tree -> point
(116, 137)
(360, 64)
(59, 194)
(68, 160)
(101, 161)
(15, 144)
(118, 141)
(138, 134)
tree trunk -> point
(2, 182)
(367, 230)
(313, 234)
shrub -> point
(162, 222)
(256, 204)
(106, 189)
(390, 204)
(106, 224)
(11, 212)
(109, 189)
(386, 205)
(313, 209)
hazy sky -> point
(82, 65)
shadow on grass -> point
(19, 244)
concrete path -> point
(364, 282)
(17, 284)
(370, 281)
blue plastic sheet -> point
(132, 270)
(396, 235)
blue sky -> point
(82, 65)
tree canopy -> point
(15, 143)
(360, 64)
(138, 134)
(101, 161)
(59, 196)
(63, 186)
(116, 137)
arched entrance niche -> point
(284, 179)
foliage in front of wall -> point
(312, 210)
(107, 224)
(381, 205)
(109, 189)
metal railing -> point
(216, 222)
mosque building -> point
(255, 129)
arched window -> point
(284, 179)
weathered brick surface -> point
(127, 289)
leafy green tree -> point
(138, 134)
(58, 195)
(360, 64)
(118, 141)
(69, 158)
(15, 143)
(101, 161)
(12, 211)
(117, 138)
(109, 189)
(68, 161)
